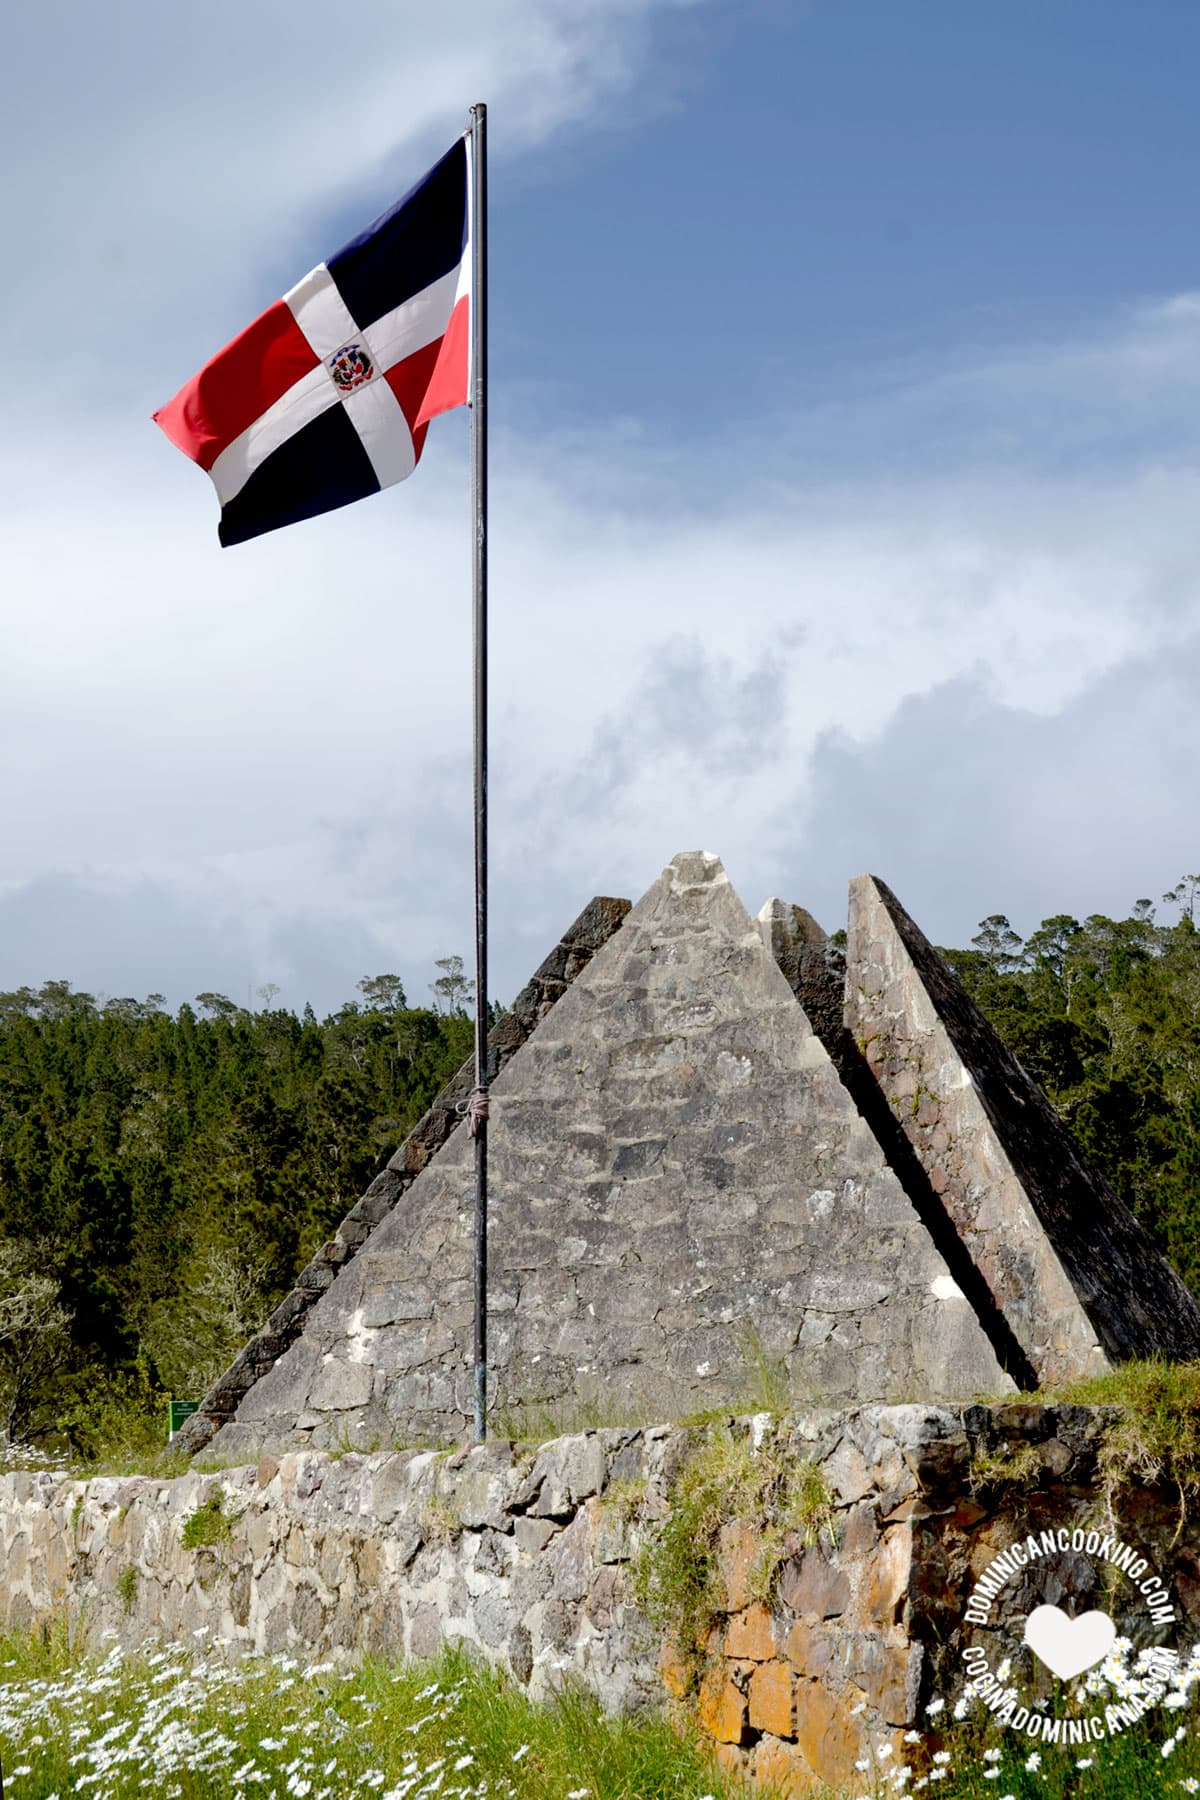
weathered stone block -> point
(572, 1470)
(532, 1535)
(815, 1586)
(737, 1551)
(750, 1634)
(770, 1699)
(783, 1768)
(828, 1735)
(341, 1386)
(389, 1305)
(884, 1589)
(888, 1674)
(722, 1707)
(809, 1648)
(674, 1668)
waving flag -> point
(327, 396)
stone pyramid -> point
(695, 1173)
(1073, 1273)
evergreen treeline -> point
(1105, 1015)
(163, 1179)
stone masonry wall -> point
(526, 1554)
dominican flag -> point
(327, 396)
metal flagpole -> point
(479, 518)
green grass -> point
(127, 1586)
(1129, 1765)
(992, 1470)
(441, 1522)
(1149, 1433)
(192, 1725)
(765, 1383)
(538, 1423)
(726, 1480)
(209, 1524)
(1153, 1434)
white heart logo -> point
(1069, 1646)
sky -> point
(845, 364)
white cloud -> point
(969, 807)
(260, 733)
(164, 162)
(790, 643)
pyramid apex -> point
(796, 923)
(696, 868)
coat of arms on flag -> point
(350, 367)
(328, 395)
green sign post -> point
(177, 1412)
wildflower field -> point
(190, 1721)
(1149, 1747)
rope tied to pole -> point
(475, 1110)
